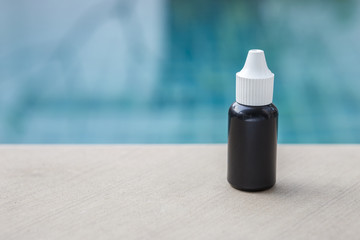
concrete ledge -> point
(174, 192)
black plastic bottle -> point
(252, 129)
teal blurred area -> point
(157, 71)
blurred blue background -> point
(163, 71)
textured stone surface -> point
(174, 192)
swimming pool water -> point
(164, 71)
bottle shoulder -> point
(253, 112)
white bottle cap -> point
(255, 82)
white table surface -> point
(174, 192)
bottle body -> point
(252, 145)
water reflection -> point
(164, 71)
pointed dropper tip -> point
(255, 66)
